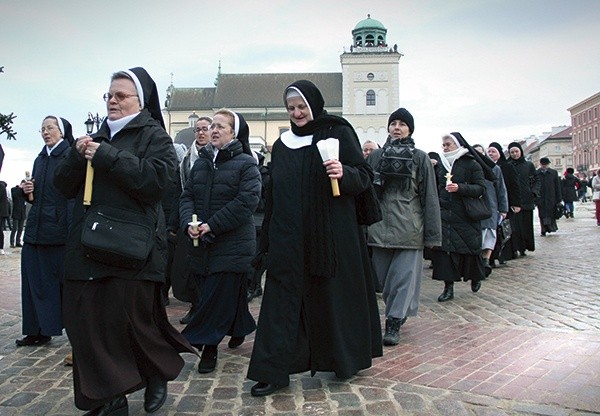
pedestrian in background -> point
(411, 221)
(4, 213)
(570, 184)
(549, 196)
(596, 194)
(368, 147)
(18, 215)
(529, 185)
(44, 248)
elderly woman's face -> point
(493, 153)
(50, 132)
(298, 111)
(448, 145)
(514, 152)
(124, 99)
(221, 130)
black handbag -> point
(368, 208)
(504, 231)
(477, 208)
(117, 236)
(559, 211)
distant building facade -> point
(558, 147)
(585, 121)
(365, 92)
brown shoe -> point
(69, 359)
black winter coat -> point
(51, 212)
(224, 194)
(569, 187)
(529, 183)
(550, 192)
(4, 205)
(511, 180)
(18, 200)
(460, 234)
(131, 171)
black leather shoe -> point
(448, 293)
(235, 342)
(31, 340)
(118, 407)
(264, 389)
(155, 394)
(475, 285)
(208, 359)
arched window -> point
(370, 97)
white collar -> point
(116, 126)
(292, 141)
(50, 149)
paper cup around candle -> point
(330, 149)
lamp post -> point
(89, 173)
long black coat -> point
(51, 212)
(18, 198)
(511, 180)
(131, 171)
(529, 183)
(460, 234)
(550, 192)
(306, 322)
(569, 190)
(224, 195)
(4, 205)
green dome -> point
(369, 23)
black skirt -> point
(121, 336)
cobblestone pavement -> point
(527, 344)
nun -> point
(223, 190)
(43, 255)
(319, 310)
(115, 315)
(460, 175)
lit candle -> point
(448, 178)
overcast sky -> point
(496, 70)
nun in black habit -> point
(319, 311)
(115, 316)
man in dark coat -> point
(549, 197)
(570, 186)
(18, 215)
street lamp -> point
(91, 121)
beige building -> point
(558, 147)
(365, 93)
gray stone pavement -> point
(527, 344)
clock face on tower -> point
(370, 76)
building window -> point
(370, 97)
(596, 132)
(595, 113)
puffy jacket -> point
(224, 194)
(51, 212)
(131, 171)
(460, 234)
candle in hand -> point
(448, 178)
(194, 224)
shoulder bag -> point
(477, 208)
(117, 236)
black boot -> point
(392, 331)
(487, 266)
(188, 316)
(208, 359)
(448, 292)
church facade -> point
(365, 92)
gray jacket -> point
(411, 220)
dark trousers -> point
(17, 230)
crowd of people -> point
(122, 217)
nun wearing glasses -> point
(114, 314)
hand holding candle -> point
(28, 186)
(329, 150)
(448, 178)
(194, 224)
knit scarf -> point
(396, 162)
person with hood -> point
(569, 186)
(460, 175)
(529, 185)
(503, 252)
(411, 221)
(45, 238)
(223, 190)
(319, 309)
(114, 310)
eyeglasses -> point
(119, 96)
(47, 129)
(199, 129)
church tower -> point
(370, 86)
